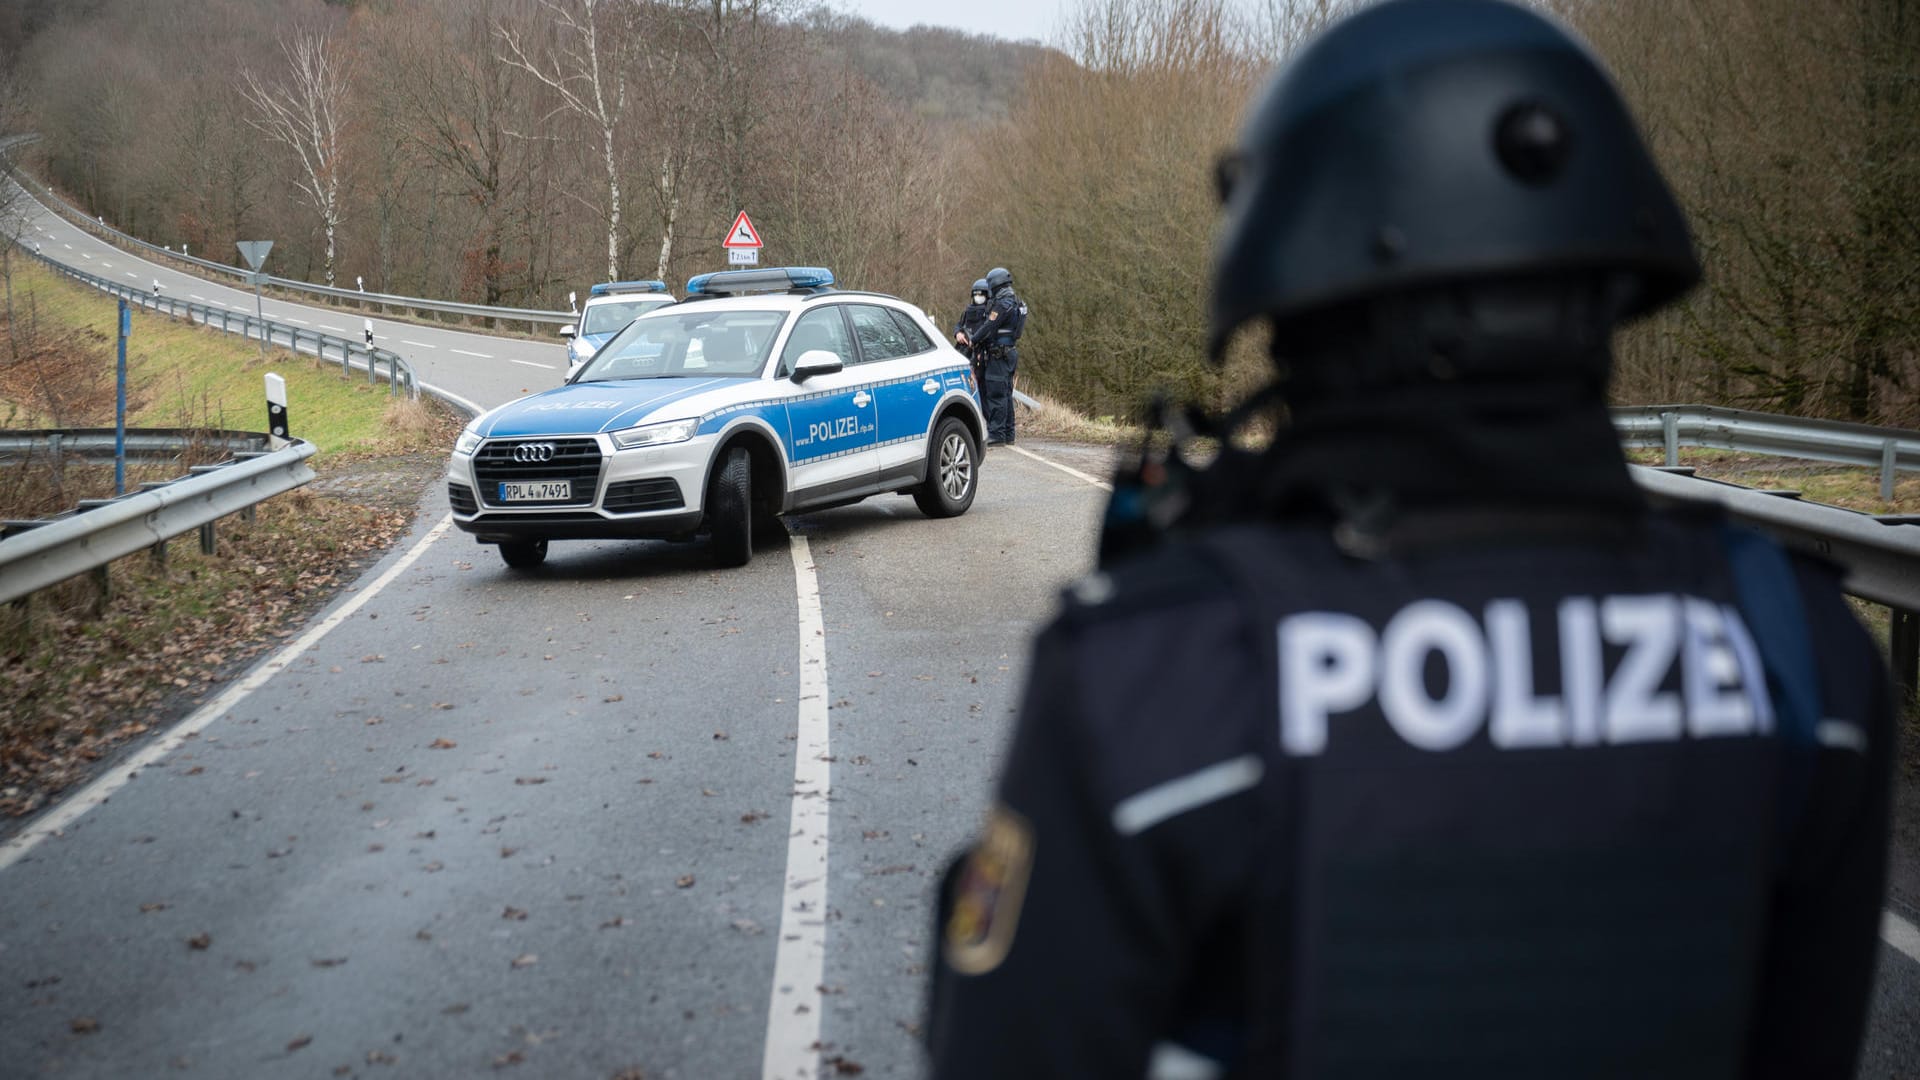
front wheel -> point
(730, 509)
(953, 472)
(524, 554)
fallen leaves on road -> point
(515, 914)
(442, 744)
(329, 961)
(524, 780)
(512, 1057)
(83, 1025)
(525, 960)
(685, 881)
(155, 906)
(299, 1042)
(200, 941)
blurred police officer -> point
(1418, 744)
(972, 319)
(999, 337)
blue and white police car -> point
(763, 392)
(610, 306)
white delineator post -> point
(277, 409)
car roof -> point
(779, 301)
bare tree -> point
(306, 115)
(586, 67)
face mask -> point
(979, 298)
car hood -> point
(586, 408)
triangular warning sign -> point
(742, 235)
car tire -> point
(953, 471)
(524, 554)
(730, 509)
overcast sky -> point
(1015, 20)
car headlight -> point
(655, 434)
(467, 443)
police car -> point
(610, 306)
(763, 392)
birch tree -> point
(585, 66)
(305, 113)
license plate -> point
(536, 491)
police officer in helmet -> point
(973, 319)
(1418, 743)
(998, 337)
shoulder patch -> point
(988, 894)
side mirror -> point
(816, 362)
(569, 330)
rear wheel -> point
(523, 554)
(730, 509)
(953, 471)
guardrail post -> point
(1889, 455)
(1670, 434)
(1903, 652)
(159, 553)
(102, 590)
(206, 539)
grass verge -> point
(85, 669)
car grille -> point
(577, 460)
(461, 496)
(633, 496)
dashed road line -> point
(481, 355)
(528, 363)
(417, 344)
(334, 329)
(291, 319)
(799, 962)
(100, 790)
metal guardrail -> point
(1712, 427)
(351, 353)
(382, 301)
(145, 446)
(1881, 557)
(40, 553)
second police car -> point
(763, 392)
(610, 306)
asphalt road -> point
(566, 823)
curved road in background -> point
(545, 823)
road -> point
(566, 823)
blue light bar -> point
(771, 279)
(607, 287)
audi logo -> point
(533, 452)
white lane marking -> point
(416, 344)
(106, 266)
(481, 355)
(100, 790)
(799, 961)
(196, 296)
(335, 329)
(69, 247)
(291, 319)
(1075, 473)
(1900, 934)
(472, 406)
(528, 363)
(131, 274)
(1139, 812)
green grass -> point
(181, 375)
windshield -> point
(607, 318)
(687, 342)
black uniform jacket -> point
(1503, 807)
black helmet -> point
(1424, 142)
(980, 285)
(999, 276)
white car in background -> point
(610, 306)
